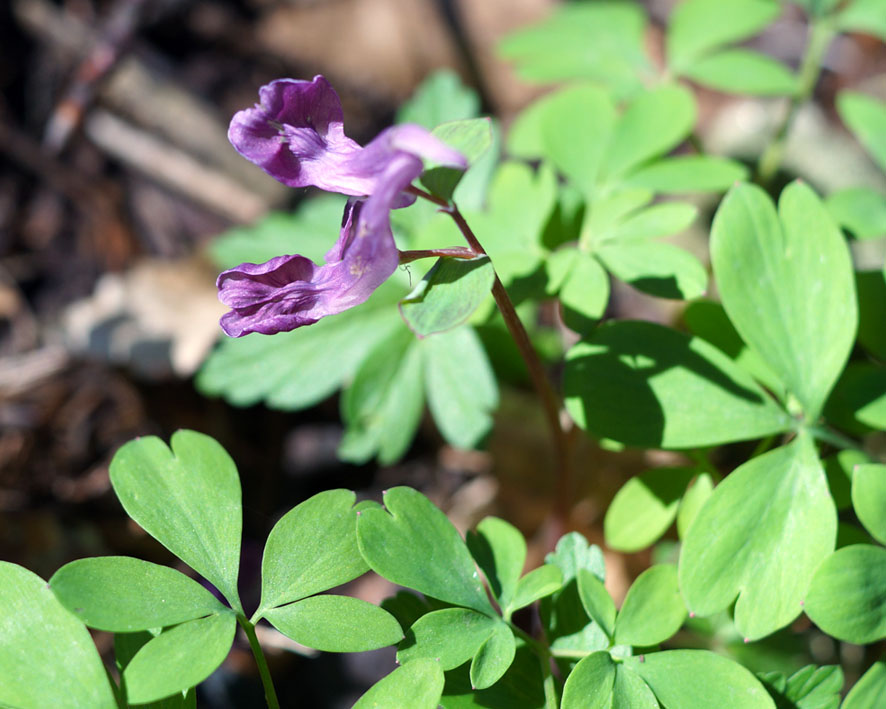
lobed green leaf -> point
(760, 537)
(312, 548)
(47, 656)
(122, 594)
(336, 624)
(188, 498)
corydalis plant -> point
(295, 134)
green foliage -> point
(579, 42)
(186, 496)
(311, 549)
(47, 656)
(847, 598)
(396, 543)
(336, 624)
(760, 537)
(179, 658)
(798, 309)
(448, 295)
(471, 137)
(697, 678)
(440, 98)
(99, 592)
(645, 507)
(808, 688)
(870, 691)
(646, 385)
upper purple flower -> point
(295, 134)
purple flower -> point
(290, 291)
(295, 134)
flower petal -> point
(295, 134)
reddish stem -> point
(541, 383)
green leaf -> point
(499, 549)
(708, 320)
(312, 548)
(631, 692)
(605, 214)
(871, 287)
(602, 41)
(661, 219)
(865, 117)
(538, 583)
(653, 609)
(126, 645)
(461, 386)
(297, 369)
(47, 655)
(519, 688)
(688, 173)
(657, 121)
(695, 27)
(519, 205)
(696, 495)
(179, 658)
(858, 402)
(441, 97)
(450, 636)
(597, 602)
(645, 385)
(698, 679)
(814, 687)
(336, 624)
(660, 269)
(383, 405)
(645, 507)
(576, 125)
(493, 658)
(870, 691)
(417, 685)
(742, 71)
(448, 295)
(787, 284)
(817, 8)
(121, 594)
(573, 553)
(760, 537)
(584, 293)
(567, 624)
(472, 138)
(847, 598)
(859, 210)
(589, 685)
(397, 544)
(865, 16)
(869, 498)
(188, 499)
(309, 231)
(838, 468)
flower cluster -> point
(295, 134)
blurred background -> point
(115, 175)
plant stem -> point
(544, 659)
(549, 399)
(454, 252)
(821, 32)
(263, 671)
(834, 438)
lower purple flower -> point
(291, 291)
